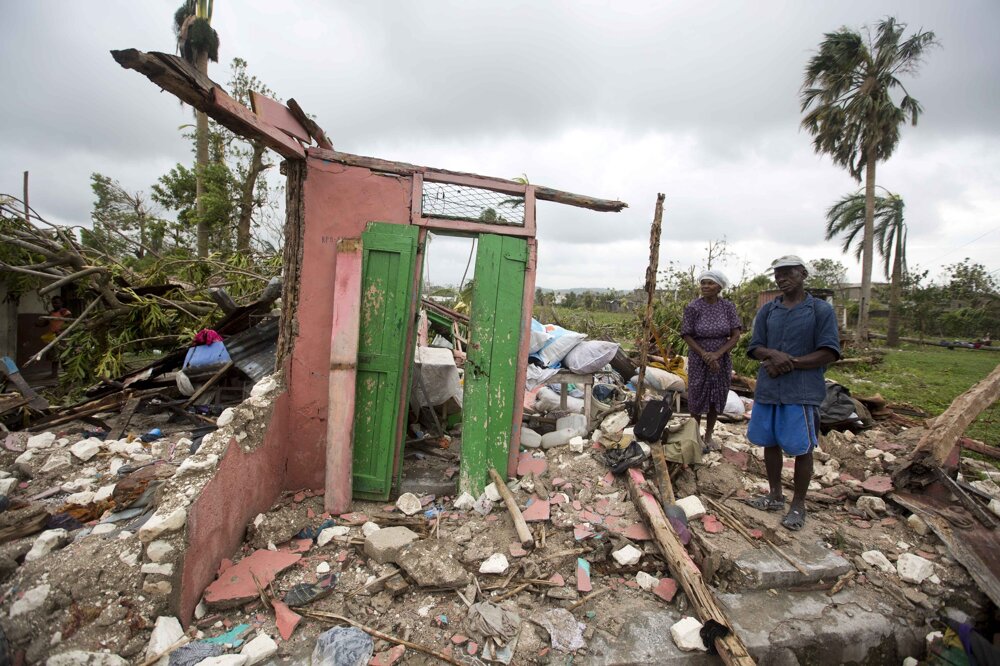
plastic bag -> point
(590, 356)
(547, 400)
(539, 337)
(661, 380)
(562, 342)
(343, 646)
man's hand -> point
(778, 363)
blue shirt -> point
(809, 326)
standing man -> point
(794, 337)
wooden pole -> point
(27, 209)
(523, 533)
(731, 647)
(663, 483)
(654, 263)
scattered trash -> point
(343, 646)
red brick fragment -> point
(666, 589)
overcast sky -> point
(698, 100)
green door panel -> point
(495, 331)
(389, 253)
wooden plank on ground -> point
(118, 430)
(730, 648)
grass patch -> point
(927, 377)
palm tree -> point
(198, 43)
(847, 218)
(852, 116)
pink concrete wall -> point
(339, 201)
(243, 485)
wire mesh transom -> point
(475, 204)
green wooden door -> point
(386, 293)
(491, 367)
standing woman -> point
(711, 328)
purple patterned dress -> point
(710, 325)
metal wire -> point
(460, 202)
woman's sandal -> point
(794, 520)
(765, 503)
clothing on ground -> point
(710, 324)
(792, 427)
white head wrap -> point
(718, 277)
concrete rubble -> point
(96, 588)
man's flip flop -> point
(765, 503)
(794, 520)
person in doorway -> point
(54, 322)
(710, 327)
(794, 337)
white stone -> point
(902, 545)
(130, 559)
(157, 569)
(913, 568)
(878, 560)
(369, 528)
(160, 524)
(465, 502)
(57, 461)
(190, 465)
(103, 528)
(871, 454)
(115, 465)
(160, 588)
(81, 658)
(86, 449)
(166, 632)
(627, 555)
(118, 446)
(124, 534)
(25, 457)
(577, 444)
(330, 533)
(104, 493)
(225, 418)
(261, 648)
(491, 492)
(495, 564)
(62, 441)
(323, 568)
(263, 387)
(45, 543)
(687, 636)
(42, 440)
(910, 661)
(994, 506)
(692, 507)
(157, 551)
(200, 611)
(876, 504)
(888, 457)
(32, 600)
(645, 581)
(408, 503)
(934, 579)
(80, 499)
(7, 486)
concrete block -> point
(434, 563)
(765, 569)
(876, 504)
(878, 560)
(162, 523)
(81, 658)
(369, 528)
(30, 601)
(686, 635)
(166, 632)
(157, 551)
(494, 564)
(384, 545)
(42, 440)
(261, 648)
(627, 555)
(692, 506)
(86, 449)
(913, 568)
(45, 543)
(330, 533)
(645, 581)
(408, 503)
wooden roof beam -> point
(402, 168)
(181, 79)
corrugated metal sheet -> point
(253, 351)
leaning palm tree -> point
(849, 110)
(846, 219)
(198, 43)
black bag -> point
(653, 419)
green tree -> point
(123, 222)
(971, 282)
(827, 274)
(198, 43)
(849, 109)
(177, 190)
(847, 218)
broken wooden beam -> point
(523, 533)
(207, 385)
(984, 449)
(663, 483)
(315, 131)
(938, 442)
(730, 647)
(647, 321)
(402, 168)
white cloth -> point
(435, 377)
(716, 276)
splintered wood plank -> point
(122, 423)
(277, 114)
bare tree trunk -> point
(892, 334)
(246, 198)
(867, 250)
(201, 157)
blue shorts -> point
(792, 427)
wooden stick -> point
(841, 582)
(662, 476)
(583, 600)
(727, 512)
(207, 385)
(986, 450)
(523, 533)
(517, 590)
(131, 405)
(321, 615)
(731, 647)
(654, 262)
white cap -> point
(788, 260)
